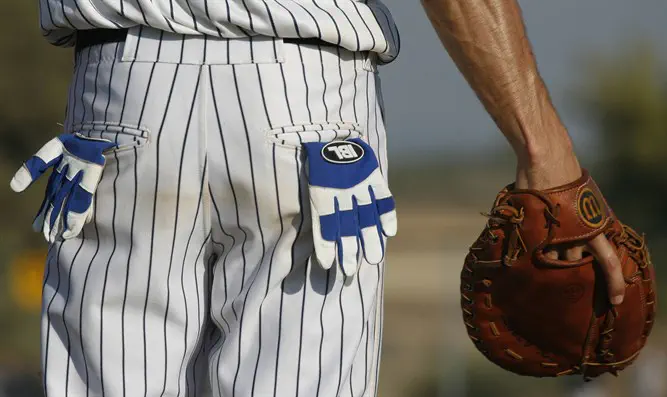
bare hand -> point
(559, 171)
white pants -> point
(197, 271)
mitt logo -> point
(342, 152)
(590, 209)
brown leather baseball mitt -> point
(536, 316)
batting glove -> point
(77, 163)
(352, 208)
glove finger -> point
(22, 179)
(49, 155)
(52, 188)
(325, 245)
(372, 243)
(38, 220)
(350, 230)
(371, 238)
(389, 223)
(47, 229)
(348, 254)
(77, 201)
(52, 228)
(55, 184)
(75, 223)
(386, 211)
(76, 209)
(55, 219)
(90, 214)
(57, 206)
(380, 190)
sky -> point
(431, 110)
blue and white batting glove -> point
(352, 208)
(77, 163)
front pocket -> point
(125, 136)
(294, 136)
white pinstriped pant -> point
(197, 267)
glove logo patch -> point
(342, 152)
(589, 208)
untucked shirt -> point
(357, 25)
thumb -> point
(48, 156)
(611, 267)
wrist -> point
(547, 166)
(561, 151)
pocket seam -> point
(271, 134)
(142, 133)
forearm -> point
(487, 41)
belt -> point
(90, 37)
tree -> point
(625, 97)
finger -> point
(552, 254)
(348, 254)
(611, 267)
(574, 253)
(32, 169)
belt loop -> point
(370, 63)
(281, 54)
(131, 43)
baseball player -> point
(218, 208)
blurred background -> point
(605, 62)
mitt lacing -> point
(501, 216)
(638, 250)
